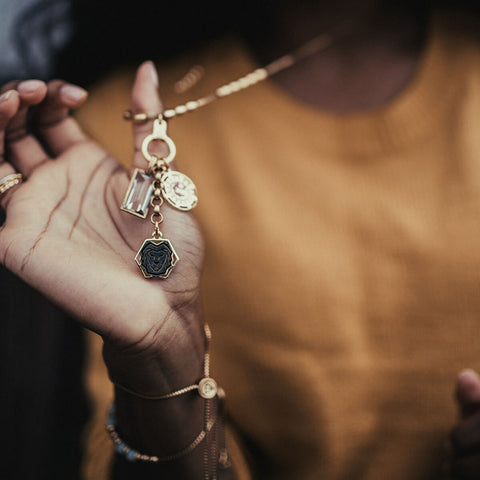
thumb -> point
(468, 392)
(145, 99)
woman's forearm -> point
(178, 433)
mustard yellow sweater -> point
(342, 277)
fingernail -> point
(6, 95)
(468, 373)
(154, 74)
(73, 92)
(29, 86)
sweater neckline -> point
(404, 121)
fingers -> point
(57, 129)
(468, 392)
(145, 99)
(9, 103)
(31, 92)
(23, 150)
(465, 438)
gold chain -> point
(156, 200)
(316, 45)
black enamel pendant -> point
(156, 258)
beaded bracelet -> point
(133, 455)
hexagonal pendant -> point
(156, 258)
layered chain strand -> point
(316, 45)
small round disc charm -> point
(179, 190)
(156, 258)
(207, 388)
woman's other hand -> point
(465, 438)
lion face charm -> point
(156, 258)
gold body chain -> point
(156, 257)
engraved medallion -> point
(156, 258)
(207, 388)
(179, 190)
(138, 194)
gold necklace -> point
(316, 45)
(158, 182)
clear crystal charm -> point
(138, 194)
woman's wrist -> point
(164, 429)
(176, 426)
(166, 360)
(167, 451)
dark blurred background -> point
(81, 39)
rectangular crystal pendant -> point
(138, 194)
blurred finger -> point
(56, 128)
(23, 149)
(145, 99)
(468, 392)
(30, 93)
(9, 103)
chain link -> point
(157, 169)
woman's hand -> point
(465, 438)
(65, 235)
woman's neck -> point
(374, 54)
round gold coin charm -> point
(207, 388)
(179, 190)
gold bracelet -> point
(207, 387)
(160, 397)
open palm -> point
(66, 236)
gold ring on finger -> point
(9, 181)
